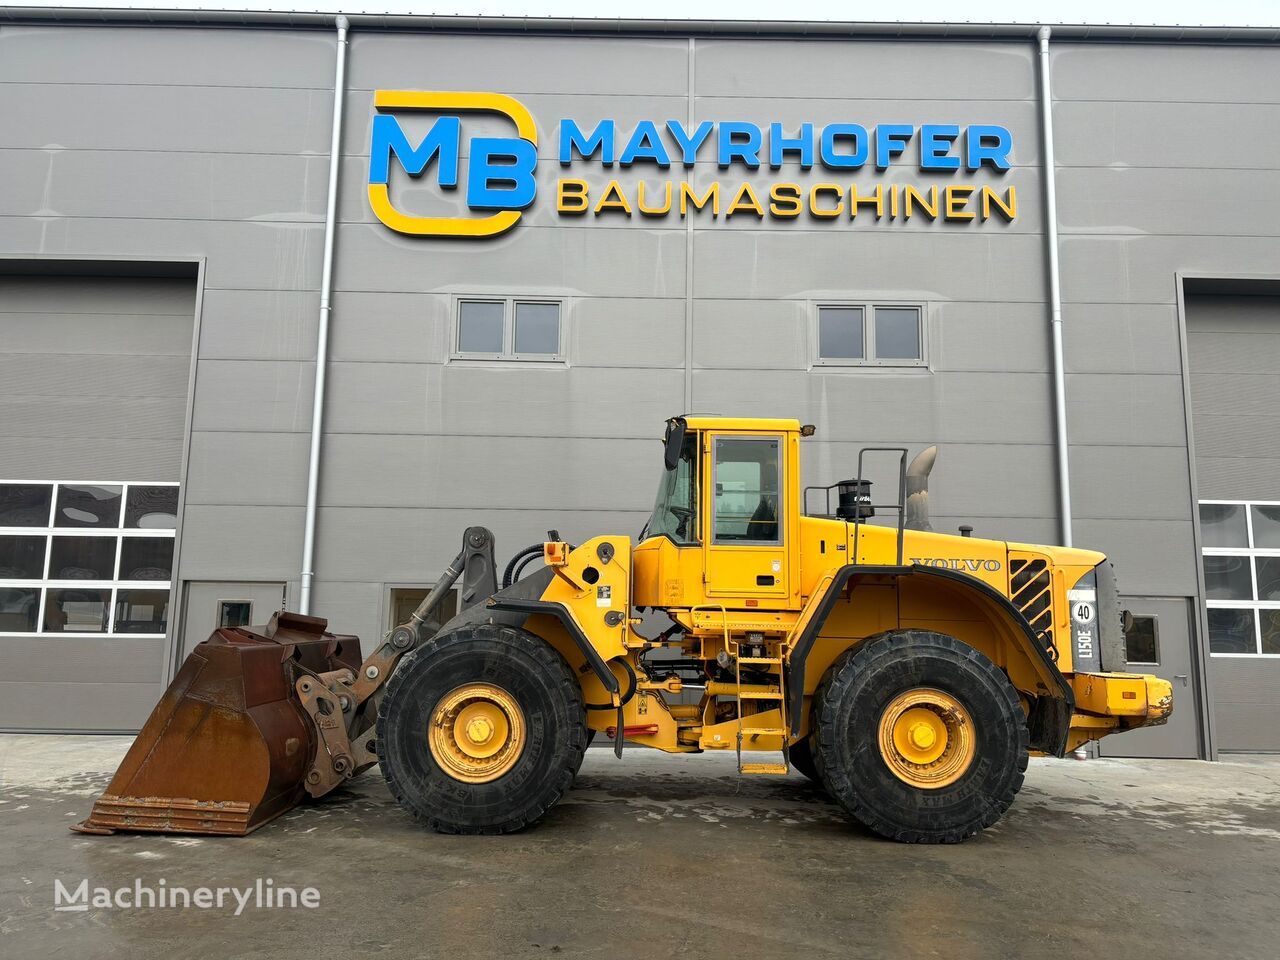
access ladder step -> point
(775, 661)
(764, 732)
(771, 769)
(773, 693)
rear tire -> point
(865, 705)
(533, 700)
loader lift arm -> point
(344, 750)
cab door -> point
(746, 553)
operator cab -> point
(727, 512)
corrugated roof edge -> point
(818, 29)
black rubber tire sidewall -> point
(800, 755)
(536, 676)
(853, 696)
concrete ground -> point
(655, 856)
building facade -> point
(550, 237)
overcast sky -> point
(1217, 13)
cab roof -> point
(703, 422)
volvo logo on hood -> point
(964, 565)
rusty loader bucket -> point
(230, 744)
(259, 717)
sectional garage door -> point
(1233, 342)
(94, 376)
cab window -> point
(748, 485)
(675, 512)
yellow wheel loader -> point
(908, 672)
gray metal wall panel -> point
(1173, 201)
(1233, 346)
(508, 473)
(1174, 72)
(1142, 269)
(143, 335)
(271, 396)
(880, 262)
(80, 705)
(90, 55)
(1236, 353)
(1237, 478)
(752, 334)
(1129, 482)
(163, 184)
(248, 468)
(817, 68)
(1099, 133)
(519, 65)
(977, 335)
(1236, 437)
(1245, 705)
(82, 391)
(563, 262)
(99, 297)
(124, 117)
(633, 332)
(1126, 409)
(1254, 395)
(241, 542)
(1214, 314)
(353, 607)
(545, 400)
(371, 326)
(913, 407)
(1123, 338)
(81, 376)
(40, 458)
(73, 659)
(259, 324)
(248, 255)
(1152, 557)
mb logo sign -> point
(500, 171)
(632, 168)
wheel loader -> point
(909, 673)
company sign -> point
(501, 180)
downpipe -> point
(1055, 290)
(322, 340)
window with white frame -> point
(1241, 547)
(508, 328)
(870, 334)
(86, 558)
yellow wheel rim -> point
(927, 738)
(477, 733)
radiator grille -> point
(1030, 588)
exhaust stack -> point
(917, 489)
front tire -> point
(481, 730)
(920, 737)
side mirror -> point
(673, 443)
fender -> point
(560, 612)
(1050, 720)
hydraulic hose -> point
(508, 575)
